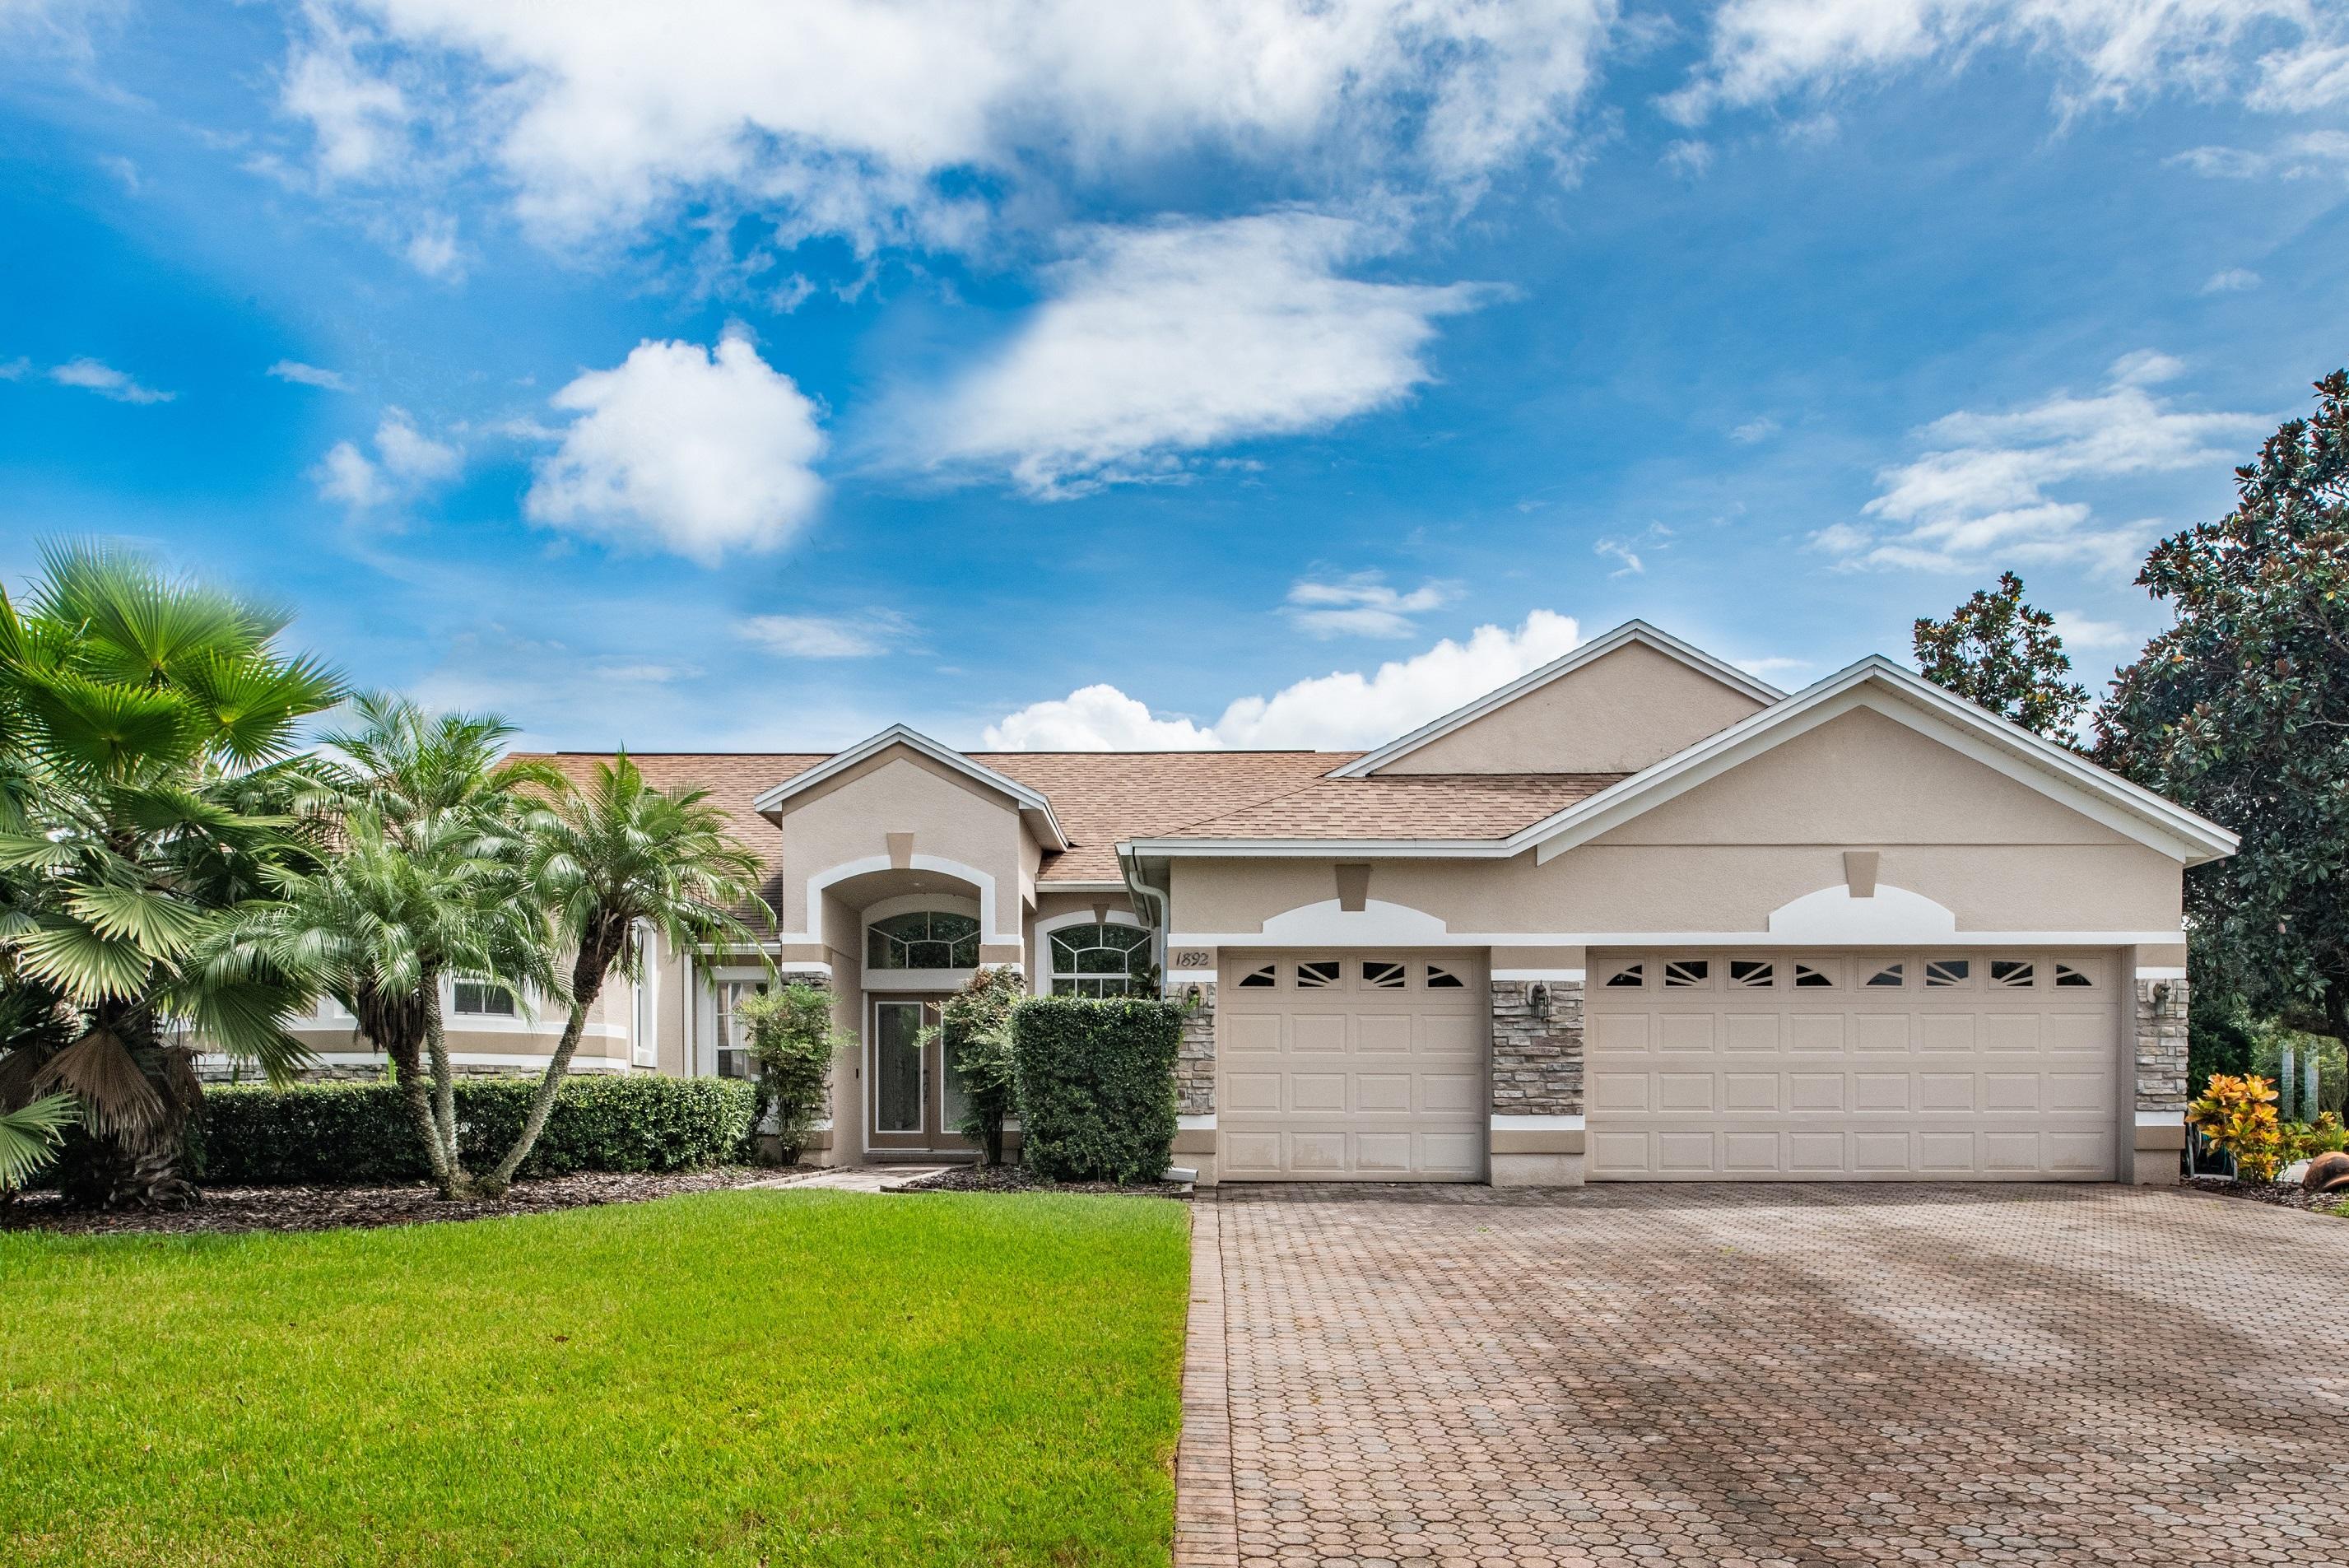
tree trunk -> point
(143, 1167)
(455, 1183)
(596, 954)
(396, 1028)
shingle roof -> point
(1103, 797)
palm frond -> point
(153, 920)
(253, 705)
(85, 967)
(106, 728)
(29, 1136)
(99, 1071)
(137, 626)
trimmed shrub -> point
(319, 1134)
(794, 1043)
(1095, 1082)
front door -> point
(915, 1100)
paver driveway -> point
(1778, 1376)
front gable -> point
(1615, 705)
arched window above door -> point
(923, 938)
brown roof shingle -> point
(1103, 797)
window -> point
(1258, 979)
(484, 999)
(1679, 973)
(2014, 972)
(1753, 972)
(1318, 975)
(733, 1039)
(1892, 975)
(1629, 975)
(1099, 960)
(1383, 976)
(1806, 978)
(2065, 975)
(1947, 971)
(926, 939)
(1439, 979)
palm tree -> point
(613, 858)
(380, 925)
(148, 789)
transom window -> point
(924, 939)
(1099, 960)
(1809, 979)
(2065, 975)
(1941, 972)
(1382, 976)
(1259, 979)
(2016, 972)
(1317, 975)
(1629, 976)
(1679, 973)
(484, 999)
(1755, 972)
(1441, 978)
(1892, 975)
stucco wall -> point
(849, 818)
(1616, 714)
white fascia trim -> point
(805, 967)
(1553, 976)
(880, 980)
(1027, 798)
(1195, 1123)
(2162, 971)
(1909, 699)
(1346, 848)
(1189, 976)
(2161, 1118)
(1629, 631)
(1698, 940)
(1538, 1123)
(1113, 885)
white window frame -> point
(645, 1024)
(1040, 967)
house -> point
(1635, 916)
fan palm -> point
(612, 859)
(148, 789)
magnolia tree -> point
(1999, 652)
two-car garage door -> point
(1841, 1067)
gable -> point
(1632, 706)
(1862, 779)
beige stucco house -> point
(1634, 917)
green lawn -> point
(738, 1377)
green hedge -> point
(1095, 1085)
(254, 1135)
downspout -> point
(1144, 896)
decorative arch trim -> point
(1378, 923)
(818, 881)
(1894, 915)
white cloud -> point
(2109, 52)
(95, 376)
(1983, 489)
(15, 369)
(851, 117)
(1752, 430)
(1162, 340)
(2313, 154)
(828, 637)
(683, 449)
(2078, 631)
(1362, 604)
(1616, 549)
(1343, 711)
(406, 460)
(1688, 157)
(309, 376)
(1774, 664)
(2233, 280)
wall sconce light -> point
(1540, 997)
(1191, 996)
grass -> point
(736, 1377)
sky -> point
(1047, 374)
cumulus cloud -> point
(2104, 53)
(406, 460)
(96, 376)
(1162, 340)
(1344, 710)
(857, 117)
(2078, 631)
(1362, 604)
(685, 450)
(303, 375)
(1986, 484)
(828, 637)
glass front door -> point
(915, 1101)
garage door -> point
(1843, 1067)
(1350, 1066)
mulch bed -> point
(1020, 1179)
(230, 1209)
(2271, 1192)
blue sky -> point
(1045, 373)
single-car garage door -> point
(1844, 1067)
(1366, 1066)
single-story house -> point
(1637, 916)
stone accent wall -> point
(1195, 1054)
(2160, 1030)
(1536, 1060)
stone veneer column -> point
(1536, 1084)
(1194, 1079)
(2163, 1092)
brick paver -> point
(1780, 1375)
